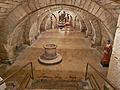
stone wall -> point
(114, 67)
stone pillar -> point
(114, 66)
(7, 54)
(93, 39)
(96, 32)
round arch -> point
(27, 8)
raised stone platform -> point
(52, 61)
(50, 57)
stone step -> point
(57, 89)
(43, 89)
(53, 84)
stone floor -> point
(74, 48)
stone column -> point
(7, 54)
(114, 66)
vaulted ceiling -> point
(13, 12)
(6, 6)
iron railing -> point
(101, 75)
(94, 84)
(31, 75)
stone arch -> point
(30, 6)
(88, 32)
(77, 22)
(26, 33)
(50, 21)
(96, 33)
(44, 16)
(3, 52)
(34, 32)
(55, 22)
(33, 7)
(71, 21)
(83, 26)
(42, 25)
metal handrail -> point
(13, 74)
(24, 85)
(101, 75)
(91, 83)
(91, 75)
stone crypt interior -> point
(58, 44)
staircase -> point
(26, 81)
(52, 84)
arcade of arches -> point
(79, 28)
